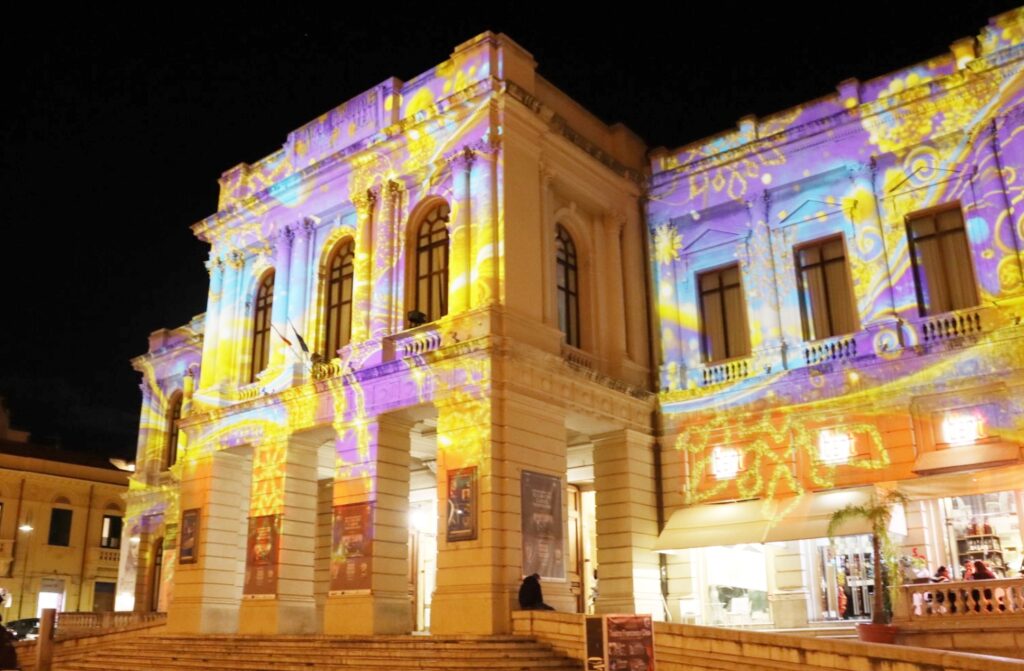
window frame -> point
(170, 456)
(263, 305)
(912, 243)
(806, 311)
(61, 508)
(422, 243)
(567, 300)
(111, 541)
(718, 270)
(342, 250)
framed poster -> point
(629, 640)
(462, 506)
(261, 555)
(352, 548)
(189, 536)
(543, 541)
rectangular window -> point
(111, 532)
(723, 314)
(60, 527)
(941, 258)
(826, 303)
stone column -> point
(278, 593)
(787, 585)
(228, 332)
(207, 592)
(627, 527)
(299, 272)
(382, 302)
(279, 310)
(633, 271)
(500, 434)
(486, 235)
(614, 322)
(214, 303)
(460, 265)
(363, 270)
(370, 593)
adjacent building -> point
(459, 331)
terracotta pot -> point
(877, 633)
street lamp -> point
(27, 528)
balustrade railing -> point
(78, 624)
(959, 601)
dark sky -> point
(117, 127)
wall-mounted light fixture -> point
(725, 462)
(962, 428)
(834, 447)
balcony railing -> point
(950, 325)
(971, 600)
(729, 371)
(578, 357)
(833, 349)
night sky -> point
(117, 128)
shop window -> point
(732, 584)
(826, 302)
(261, 326)
(110, 536)
(430, 276)
(567, 275)
(338, 297)
(60, 527)
(985, 527)
(941, 259)
(723, 315)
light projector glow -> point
(834, 447)
(962, 429)
(725, 462)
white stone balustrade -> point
(959, 601)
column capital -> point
(214, 264)
(235, 260)
(462, 158)
(365, 201)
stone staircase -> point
(319, 653)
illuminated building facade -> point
(839, 299)
(452, 251)
(424, 369)
(60, 527)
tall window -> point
(110, 536)
(942, 262)
(430, 295)
(338, 290)
(261, 326)
(60, 527)
(567, 276)
(173, 419)
(722, 311)
(825, 302)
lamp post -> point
(26, 528)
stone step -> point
(311, 654)
(351, 664)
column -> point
(207, 591)
(627, 527)
(299, 271)
(486, 236)
(460, 273)
(214, 303)
(363, 281)
(382, 302)
(787, 585)
(500, 434)
(633, 271)
(279, 310)
(277, 596)
(610, 263)
(867, 220)
(369, 591)
(228, 331)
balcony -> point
(840, 348)
(725, 372)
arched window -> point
(567, 274)
(430, 293)
(173, 418)
(261, 326)
(338, 292)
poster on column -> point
(462, 510)
(352, 548)
(261, 557)
(543, 541)
(619, 643)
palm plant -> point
(878, 512)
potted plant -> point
(878, 513)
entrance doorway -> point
(423, 522)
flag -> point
(281, 335)
(302, 343)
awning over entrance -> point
(789, 519)
(963, 484)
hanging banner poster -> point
(462, 509)
(261, 557)
(543, 541)
(189, 536)
(630, 642)
(352, 548)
